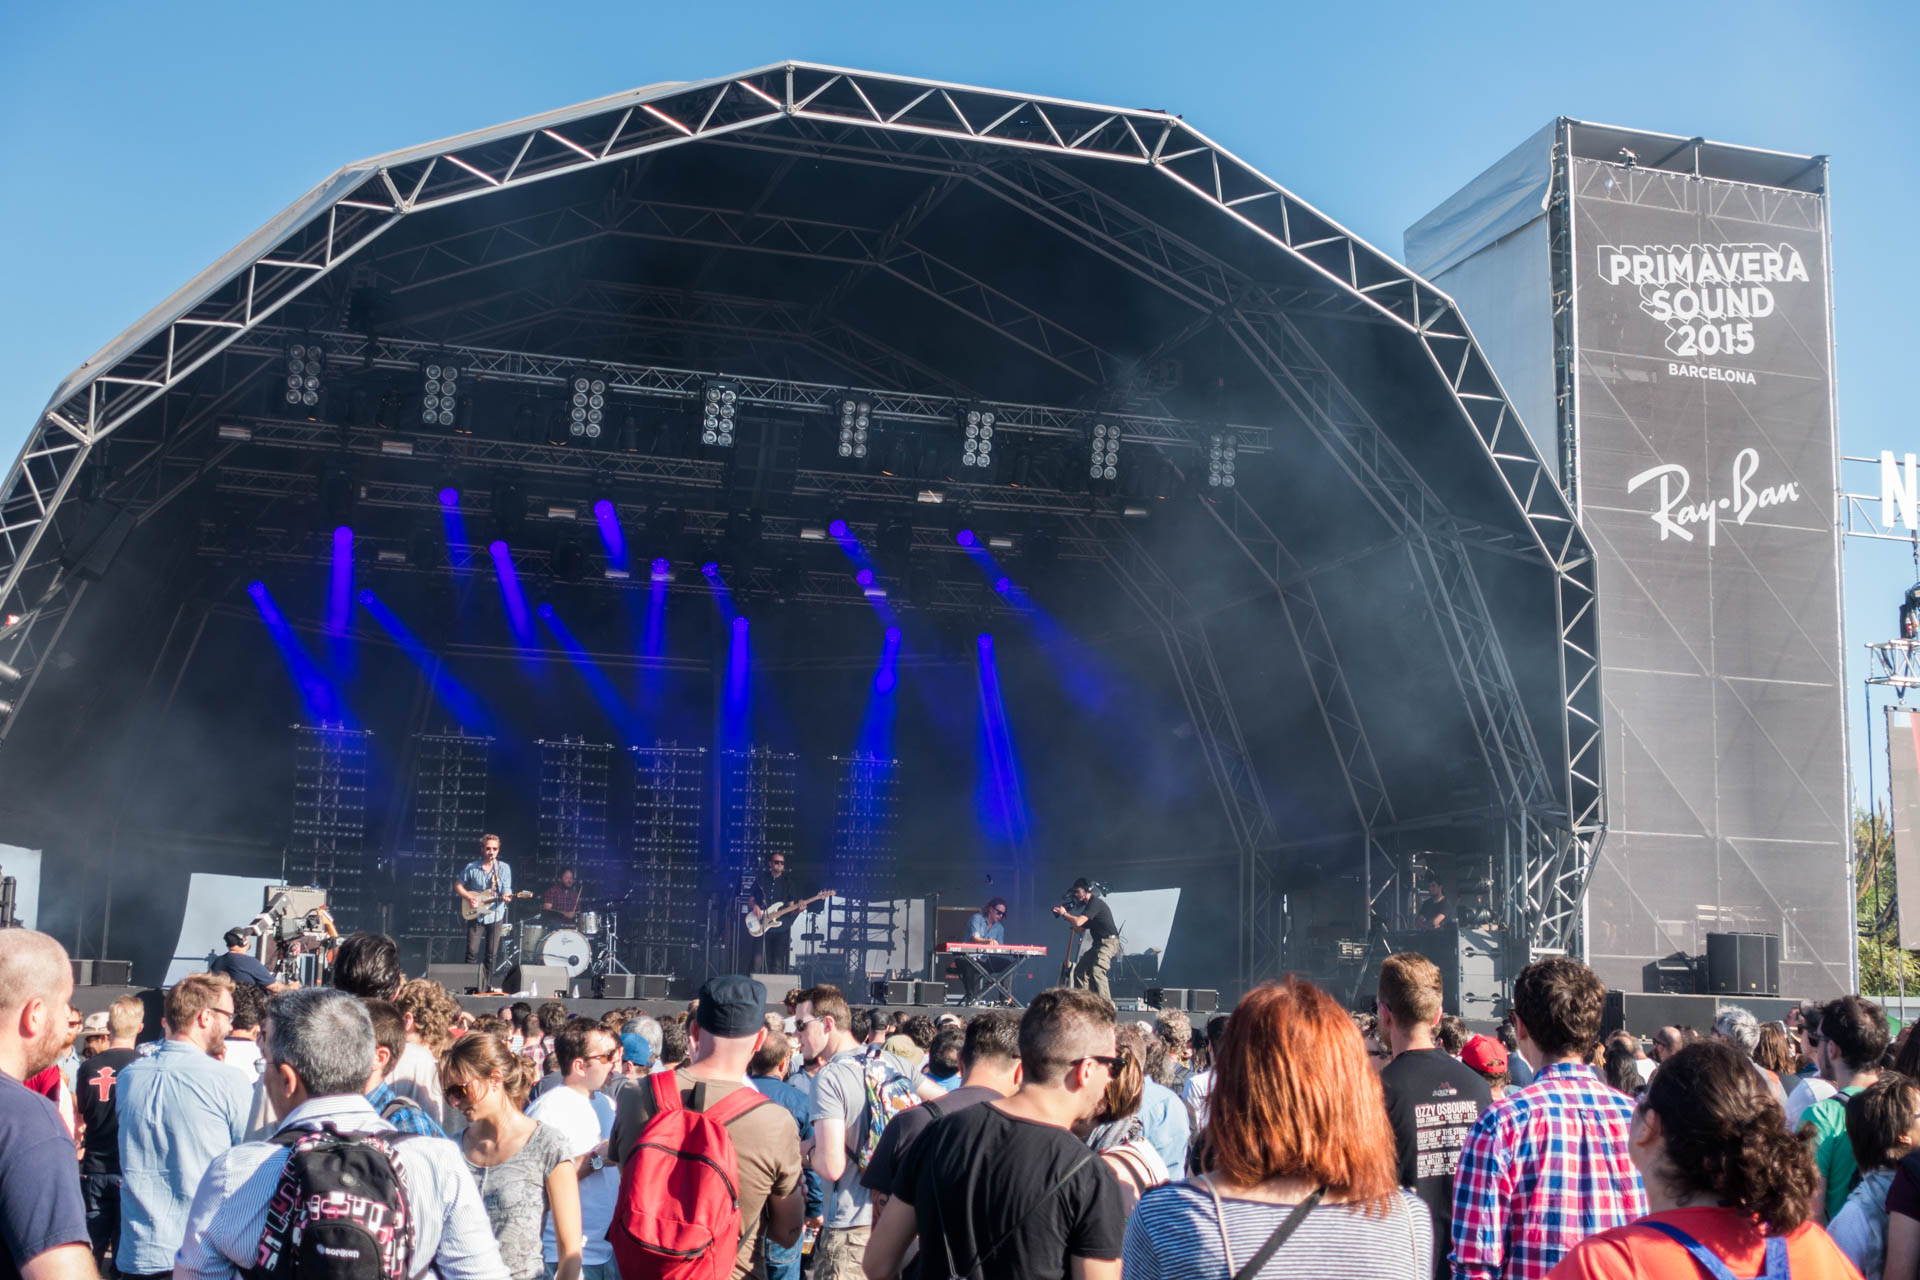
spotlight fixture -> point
(306, 371)
(711, 569)
(720, 404)
(836, 528)
(856, 415)
(1104, 460)
(439, 394)
(662, 569)
(864, 577)
(1221, 451)
(976, 449)
(587, 405)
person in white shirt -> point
(319, 1064)
(1200, 1083)
(242, 1048)
(584, 1055)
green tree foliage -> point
(1875, 910)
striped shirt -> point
(1544, 1168)
(1175, 1234)
(451, 1239)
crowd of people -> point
(374, 1128)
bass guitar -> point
(471, 911)
(774, 916)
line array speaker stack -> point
(1743, 964)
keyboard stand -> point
(1001, 982)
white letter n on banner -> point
(1899, 491)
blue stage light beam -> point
(1000, 800)
(340, 583)
(736, 706)
(318, 697)
(619, 714)
(519, 621)
(461, 702)
(717, 583)
(865, 574)
(455, 525)
(876, 725)
(607, 516)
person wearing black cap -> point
(728, 1027)
(1103, 937)
(240, 966)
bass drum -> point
(567, 948)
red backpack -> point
(678, 1216)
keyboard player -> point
(986, 927)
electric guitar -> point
(774, 916)
(471, 911)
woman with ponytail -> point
(521, 1165)
(1731, 1191)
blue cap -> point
(638, 1051)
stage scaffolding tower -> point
(328, 845)
(861, 918)
(665, 917)
(448, 816)
(574, 777)
(756, 820)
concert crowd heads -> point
(35, 984)
(1063, 1026)
(1558, 1000)
(1855, 1031)
(368, 966)
(1411, 988)
(325, 1037)
(477, 1058)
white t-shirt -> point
(1199, 1088)
(417, 1076)
(1810, 1091)
(586, 1122)
(244, 1056)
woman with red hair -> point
(1300, 1173)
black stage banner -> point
(1705, 473)
(1903, 769)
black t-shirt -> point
(768, 890)
(242, 967)
(897, 1139)
(1099, 920)
(95, 1086)
(1432, 1101)
(40, 1205)
(1430, 907)
(975, 1176)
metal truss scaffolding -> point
(861, 922)
(574, 780)
(447, 817)
(665, 908)
(328, 844)
(1056, 163)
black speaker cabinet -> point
(633, 986)
(539, 980)
(930, 993)
(458, 979)
(1743, 964)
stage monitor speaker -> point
(1202, 1000)
(633, 986)
(930, 993)
(892, 991)
(113, 973)
(1743, 964)
(458, 979)
(82, 972)
(1674, 975)
(540, 980)
(777, 985)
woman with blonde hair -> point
(520, 1164)
(1300, 1175)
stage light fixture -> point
(856, 415)
(837, 529)
(439, 394)
(545, 610)
(306, 374)
(603, 509)
(720, 404)
(710, 569)
(235, 433)
(662, 569)
(390, 555)
(364, 595)
(976, 445)
(1104, 460)
(965, 537)
(1003, 585)
(257, 589)
(586, 405)
(449, 497)
(864, 577)
(397, 448)
(562, 511)
(1222, 451)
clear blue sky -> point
(140, 141)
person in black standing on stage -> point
(1103, 938)
(1434, 910)
(486, 882)
(771, 887)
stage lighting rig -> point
(1104, 458)
(719, 406)
(976, 445)
(1222, 450)
(586, 404)
(306, 378)
(856, 416)
(440, 395)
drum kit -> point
(586, 944)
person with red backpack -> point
(414, 1211)
(709, 1166)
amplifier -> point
(539, 980)
(459, 979)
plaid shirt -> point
(410, 1118)
(1543, 1168)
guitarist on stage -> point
(770, 887)
(1096, 917)
(486, 878)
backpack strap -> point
(735, 1105)
(1709, 1261)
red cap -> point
(1485, 1055)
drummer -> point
(560, 905)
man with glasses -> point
(486, 883)
(771, 888)
(179, 1109)
(584, 1054)
(1004, 1188)
(987, 926)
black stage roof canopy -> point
(1379, 636)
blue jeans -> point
(783, 1261)
(100, 1192)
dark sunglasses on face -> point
(1112, 1064)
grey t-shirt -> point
(515, 1194)
(840, 1093)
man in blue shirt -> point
(178, 1111)
(987, 925)
(240, 966)
(486, 883)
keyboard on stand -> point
(991, 949)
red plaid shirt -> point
(1543, 1168)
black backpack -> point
(339, 1211)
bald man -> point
(43, 1220)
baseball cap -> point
(636, 1049)
(96, 1025)
(1485, 1055)
(732, 1005)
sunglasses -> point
(602, 1057)
(1112, 1064)
(464, 1091)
